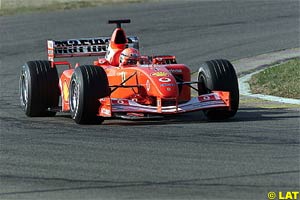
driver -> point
(129, 56)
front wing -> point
(216, 99)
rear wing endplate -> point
(83, 47)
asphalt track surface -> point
(185, 157)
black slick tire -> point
(39, 88)
(88, 84)
(219, 75)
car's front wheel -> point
(219, 75)
(88, 84)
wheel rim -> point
(24, 89)
(74, 96)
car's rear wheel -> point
(88, 84)
(39, 88)
(219, 75)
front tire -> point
(39, 88)
(88, 84)
(219, 75)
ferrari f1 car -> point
(122, 83)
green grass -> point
(261, 103)
(282, 80)
(54, 5)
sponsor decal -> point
(160, 74)
(65, 92)
(207, 98)
(175, 70)
(83, 41)
(87, 45)
(121, 102)
(165, 80)
(167, 84)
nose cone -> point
(166, 84)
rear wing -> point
(83, 47)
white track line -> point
(244, 88)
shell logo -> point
(160, 74)
(65, 92)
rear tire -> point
(39, 88)
(88, 84)
(219, 75)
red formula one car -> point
(122, 83)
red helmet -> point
(129, 56)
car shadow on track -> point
(243, 115)
(265, 114)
